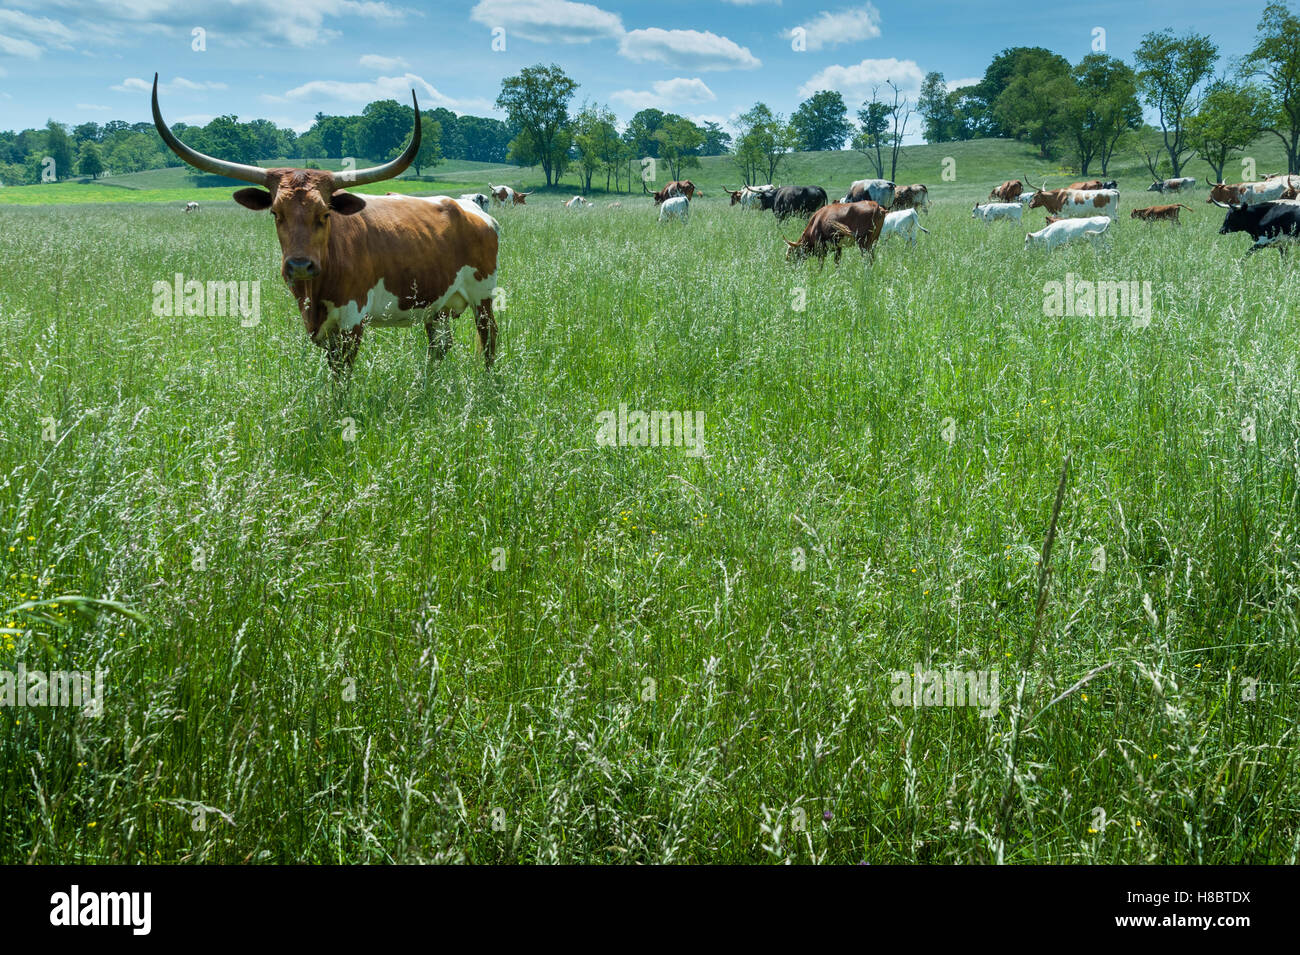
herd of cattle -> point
(352, 261)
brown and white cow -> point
(1167, 213)
(1008, 191)
(915, 196)
(683, 187)
(504, 195)
(753, 197)
(352, 261)
(1077, 202)
(831, 226)
(1251, 193)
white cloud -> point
(686, 49)
(958, 84)
(842, 26)
(382, 87)
(856, 81)
(665, 93)
(373, 61)
(133, 84)
(546, 21)
(94, 107)
(29, 33)
(12, 46)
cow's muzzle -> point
(300, 270)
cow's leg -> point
(438, 328)
(341, 350)
(486, 323)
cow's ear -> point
(255, 199)
(346, 203)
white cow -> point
(191, 207)
(1067, 230)
(997, 210)
(478, 198)
(577, 202)
(877, 190)
(751, 197)
(902, 223)
(678, 207)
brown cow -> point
(1157, 213)
(505, 195)
(1009, 191)
(352, 261)
(1086, 184)
(833, 225)
(683, 187)
(915, 196)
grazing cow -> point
(915, 196)
(616, 205)
(1158, 213)
(753, 197)
(997, 210)
(1249, 193)
(831, 226)
(1008, 191)
(877, 190)
(578, 202)
(504, 195)
(798, 201)
(904, 224)
(683, 187)
(191, 207)
(1077, 202)
(1067, 230)
(1268, 223)
(675, 207)
(1172, 185)
(1094, 184)
(352, 261)
(479, 199)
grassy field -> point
(424, 616)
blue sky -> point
(285, 60)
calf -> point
(1268, 223)
(1157, 213)
(904, 224)
(191, 207)
(577, 202)
(915, 196)
(831, 226)
(1172, 185)
(1067, 230)
(677, 188)
(997, 210)
(675, 207)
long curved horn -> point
(392, 168)
(1221, 205)
(220, 167)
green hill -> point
(977, 166)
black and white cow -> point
(1268, 223)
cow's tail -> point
(923, 228)
(1188, 208)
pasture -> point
(425, 616)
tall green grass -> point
(652, 677)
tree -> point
(935, 104)
(641, 130)
(90, 163)
(873, 132)
(1170, 71)
(1276, 58)
(981, 102)
(764, 144)
(383, 129)
(679, 143)
(1230, 119)
(717, 141)
(593, 128)
(821, 122)
(1103, 108)
(1032, 107)
(59, 148)
(537, 102)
